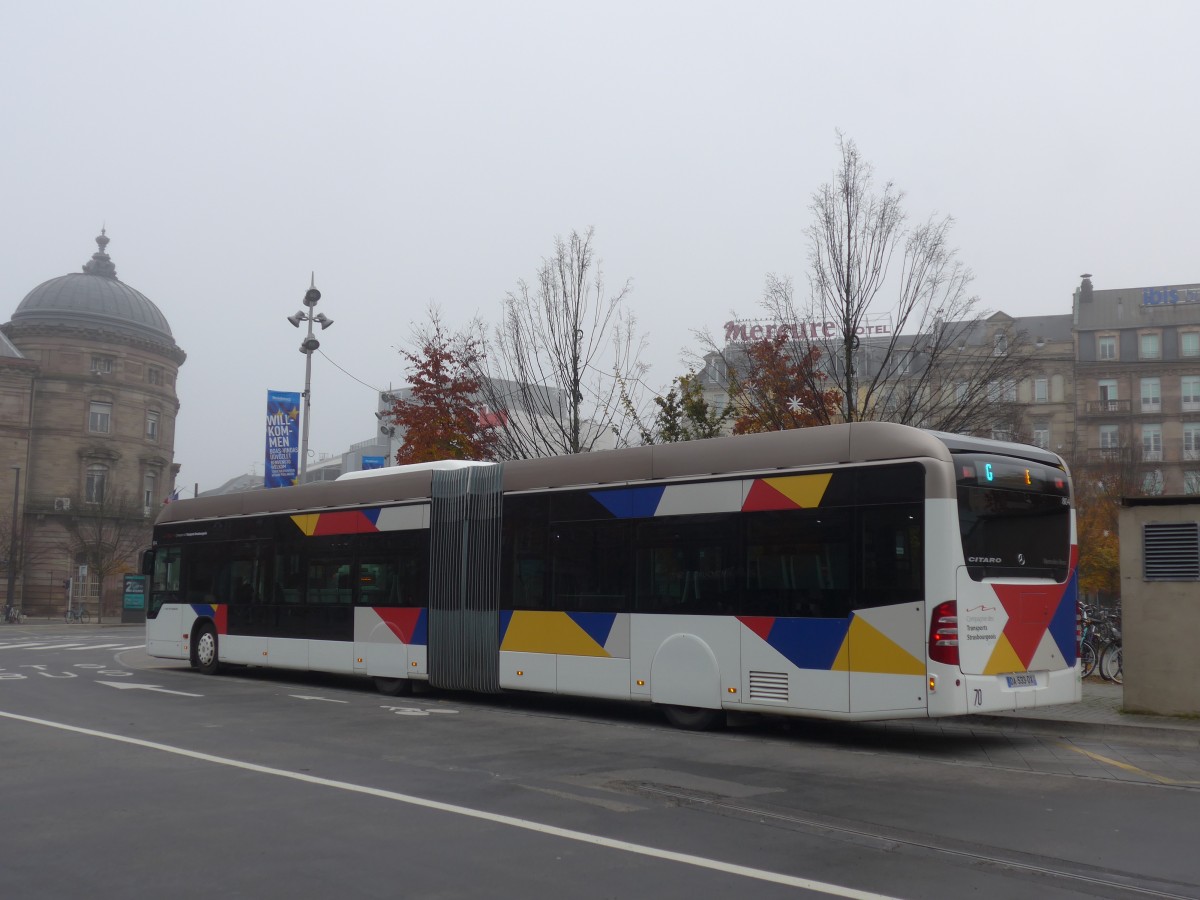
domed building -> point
(88, 367)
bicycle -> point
(1112, 657)
(1089, 649)
(78, 614)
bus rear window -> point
(1008, 533)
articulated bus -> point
(857, 571)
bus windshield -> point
(1014, 516)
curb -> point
(1161, 735)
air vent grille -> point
(769, 686)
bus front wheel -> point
(204, 650)
(693, 718)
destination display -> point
(1011, 474)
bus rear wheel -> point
(694, 718)
(204, 650)
(393, 687)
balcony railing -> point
(1099, 407)
(1108, 454)
(1151, 455)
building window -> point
(100, 417)
(1041, 390)
(1001, 433)
(1152, 483)
(1152, 443)
(1191, 440)
(154, 375)
(960, 392)
(1106, 346)
(102, 365)
(1002, 390)
(1189, 343)
(1000, 347)
(1149, 346)
(1191, 482)
(149, 491)
(97, 475)
(151, 425)
(1189, 391)
(1041, 435)
(1110, 437)
(1108, 394)
(1151, 395)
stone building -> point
(1138, 382)
(88, 367)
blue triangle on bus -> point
(597, 625)
(631, 503)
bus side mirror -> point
(148, 562)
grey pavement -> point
(1099, 716)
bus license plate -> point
(1022, 679)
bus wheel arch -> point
(685, 679)
(205, 658)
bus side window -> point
(892, 556)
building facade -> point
(88, 370)
(1137, 373)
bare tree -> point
(900, 337)
(107, 535)
(557, 365)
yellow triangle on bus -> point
(1003, 659)
(307, 524)
(805, 491)
(873, 651)
(535, 631)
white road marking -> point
(131, 647)
(72, 646)
(16, 646)
(102, 647)
(307, 697)
(126, 686)
(687, 859)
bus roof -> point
(745, 454)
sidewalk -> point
(1098, 715)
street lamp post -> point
(12, 538)
(307, 346)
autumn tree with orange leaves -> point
(1099, 486)
(440, 417)
(780, 387)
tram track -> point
(1093, 881)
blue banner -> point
(283, 439)
(372, 462)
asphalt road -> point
(123, 776)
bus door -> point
(464, 581)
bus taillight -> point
(943, 633)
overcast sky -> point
(418, 152)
